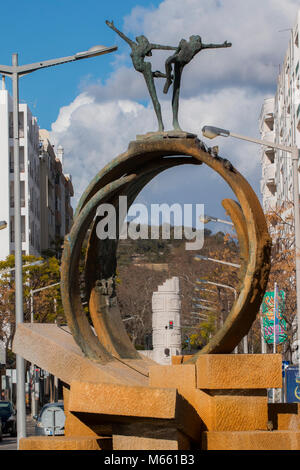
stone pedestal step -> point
(220, 410)
(284, 416)
(251, 440)
(128, 404)
(54, 349)
(239, 371)
(65, 443)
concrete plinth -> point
(251, 440)
(285, 416)
(219, 410)
(140, 436)
(219, 403)
(65, 443)
(239, 371)
(123, 404)
(53, 348)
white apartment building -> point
(280, 123)
(56, 190)
(36, 184)
(29, 178)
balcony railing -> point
(12, 237)
(11, 167)
(22, 200)
(269, 174)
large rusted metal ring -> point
(127, 175)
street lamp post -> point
(204, 307)
(225, 286)
(15, 71)
(32, 292)
(209, 218)
(206, 258)
(201, 316)
(198, 289)
(211, 132)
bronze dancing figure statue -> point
(139, 50)
(184, 53)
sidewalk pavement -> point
(30, 425)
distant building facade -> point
(40, 220)
(55, 193)
(280, 123)
(166, 328)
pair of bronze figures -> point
(184, 53)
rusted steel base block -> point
(141, 436)
(65, 443)
(228, 391)
(121, 404)
(284, 416)
(251, 440)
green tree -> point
(47, 303)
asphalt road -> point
(10, 443)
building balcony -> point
(12, 237)
(22, 202)
(269, 136)
(269, 203)
(268, 108)
(269, 176)
(270, 153)
(266, 118)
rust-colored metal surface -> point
(126, 176)
(233, 209)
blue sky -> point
(46, 29)
(94, 107)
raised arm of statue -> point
(122, 35)
(216, 46)
(167, 48)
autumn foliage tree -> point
(215, 301)
(47, 303)
(281, 227)
(137, 282)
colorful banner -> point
(267, 310)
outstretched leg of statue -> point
(152, 91)
(168, 66)
(176, 90)
(158, 74)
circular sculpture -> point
(127, 175)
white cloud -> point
(225, 88)
(251, 25)
(93, 133)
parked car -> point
(51, 420)
(0, 429)
(8, 418)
